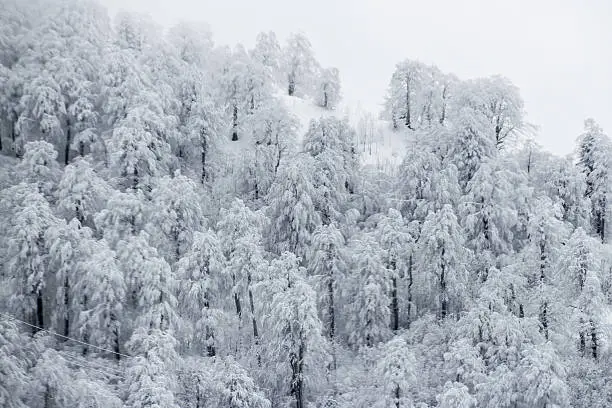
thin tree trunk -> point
(593, 339)
(331, 307)
(68, 142)
(410, 283)
(444, 302)
(297, 377)
(40, 313)
(204, 148)
(67, 307)
(235, 124)
(582, 336)
(397, 396)
(394, 299)
(291, 88)
(116, 346)
(544, 319)
(408, 118)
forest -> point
(173, 234)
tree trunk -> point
(544, 319)
(40, 313)
(325, 102)
(67, 307)
(297, 375)
(443, 114)
(582, 337)
(397, 396)
(331, 308)
(68, 142)
(444, 301)
(235, 124)
(116, 347)
(238, 306)
(410, 282)
(204, 148)
(408, 118)
(593, 339)
(394, 299)
(291, 88)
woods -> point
(144, 265)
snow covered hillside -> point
(378, 146)
(190, 225)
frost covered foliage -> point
(174, 234)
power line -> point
(94, 363)
(83, 364)
(62, 336)
(70, 360)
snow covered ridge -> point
(187, 225)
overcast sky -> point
(559, 52)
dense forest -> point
(173, 236)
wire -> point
(97, 370)
(62, 336)
(93, 363)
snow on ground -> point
(377, 144)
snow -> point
(383, 151)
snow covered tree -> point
(68, 246)
(150, 377)
(291, 207)
(417, 96)
(101, 293)
(50, 382)
(567, 185)
(473, 142)
(397, 371)
(545, 232)
(192, 41)
(124, 216)
(267, 51)
(541, 379)
(238, 390)
(137, 154)
(397, 245)
(455, 395)
(244, 88)
(150, 283)
(488, 211)
(294, 323)
(329, 266)
(12, 365)
(330, 142)
(199, 272)
(499, 100)
(27, 258)
(176, 214)
(594, 156)
(442, 261)
(242, 245)
(299, 65)
(43, 111)
(369, 315)
(82, 193)
(328, 88)
(273, 130)
(583, 292)
(39, 166)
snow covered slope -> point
(378, 146)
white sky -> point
(559, 52)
